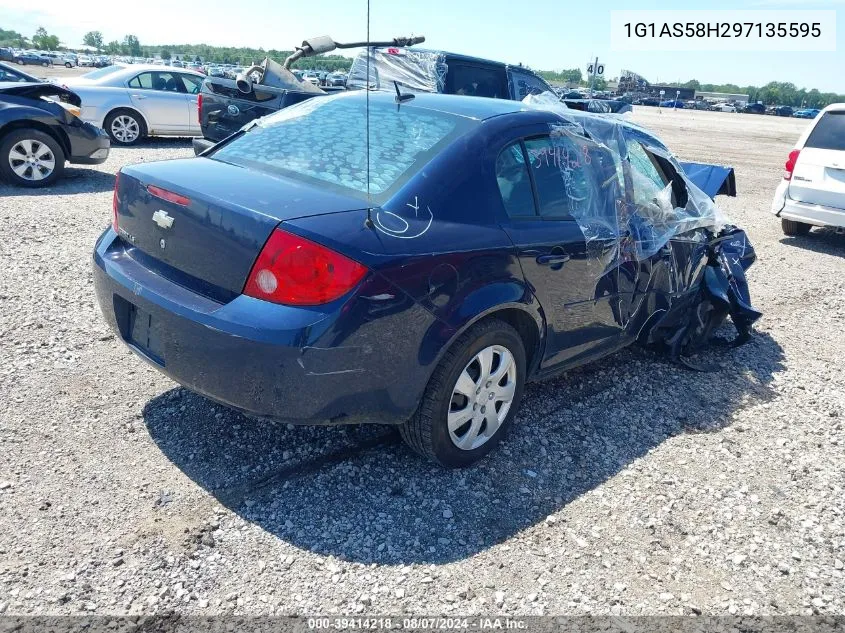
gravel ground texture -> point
(631, 486)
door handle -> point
(139, 96)
(554, 259)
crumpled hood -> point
(38, 90)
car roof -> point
(134, 68)
(478, 108)
(457, 56)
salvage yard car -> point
(812, 192)
(40, 130)
(483, 243)
(135, 101)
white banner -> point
(724, 30)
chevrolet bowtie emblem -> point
(163, 219)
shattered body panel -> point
(669, 243)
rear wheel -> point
(472, 397)
(31, 158)
(125, 127)
(791, 227)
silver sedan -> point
(134, 101)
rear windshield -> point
(103, 72)
(829, 132)
(324, 139)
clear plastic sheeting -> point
(413, 70)
(624, 214)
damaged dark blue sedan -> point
(307, 270)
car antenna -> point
(401, 98)
(368, 223)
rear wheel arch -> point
(529, 324)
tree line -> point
(773, 93)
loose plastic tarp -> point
(589, 151)
(413, 70)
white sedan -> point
(723, 107)
(134, 101)
(812, 192)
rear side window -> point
(476, 81)
(829, 132)
(162, 81)
(514, 182)
(324, 139)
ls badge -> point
(163, 219)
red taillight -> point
(199, 108)
(114, 203)
(296, 271)
(164, 194)
(790, 164)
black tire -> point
(427, 431)
(791, 227)
(68, 65)
(142, 128)
(12, 139)
(45, 64)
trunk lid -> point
(819, 174)
(210, 242)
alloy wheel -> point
(482, 397)
(32, 160)
(125, 128)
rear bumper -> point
(817, 215)
(300, 365)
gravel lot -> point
(630, 487)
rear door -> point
(568, 276)
(819, 175)
(192, 86)
(160, 97)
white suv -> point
(812, 192)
